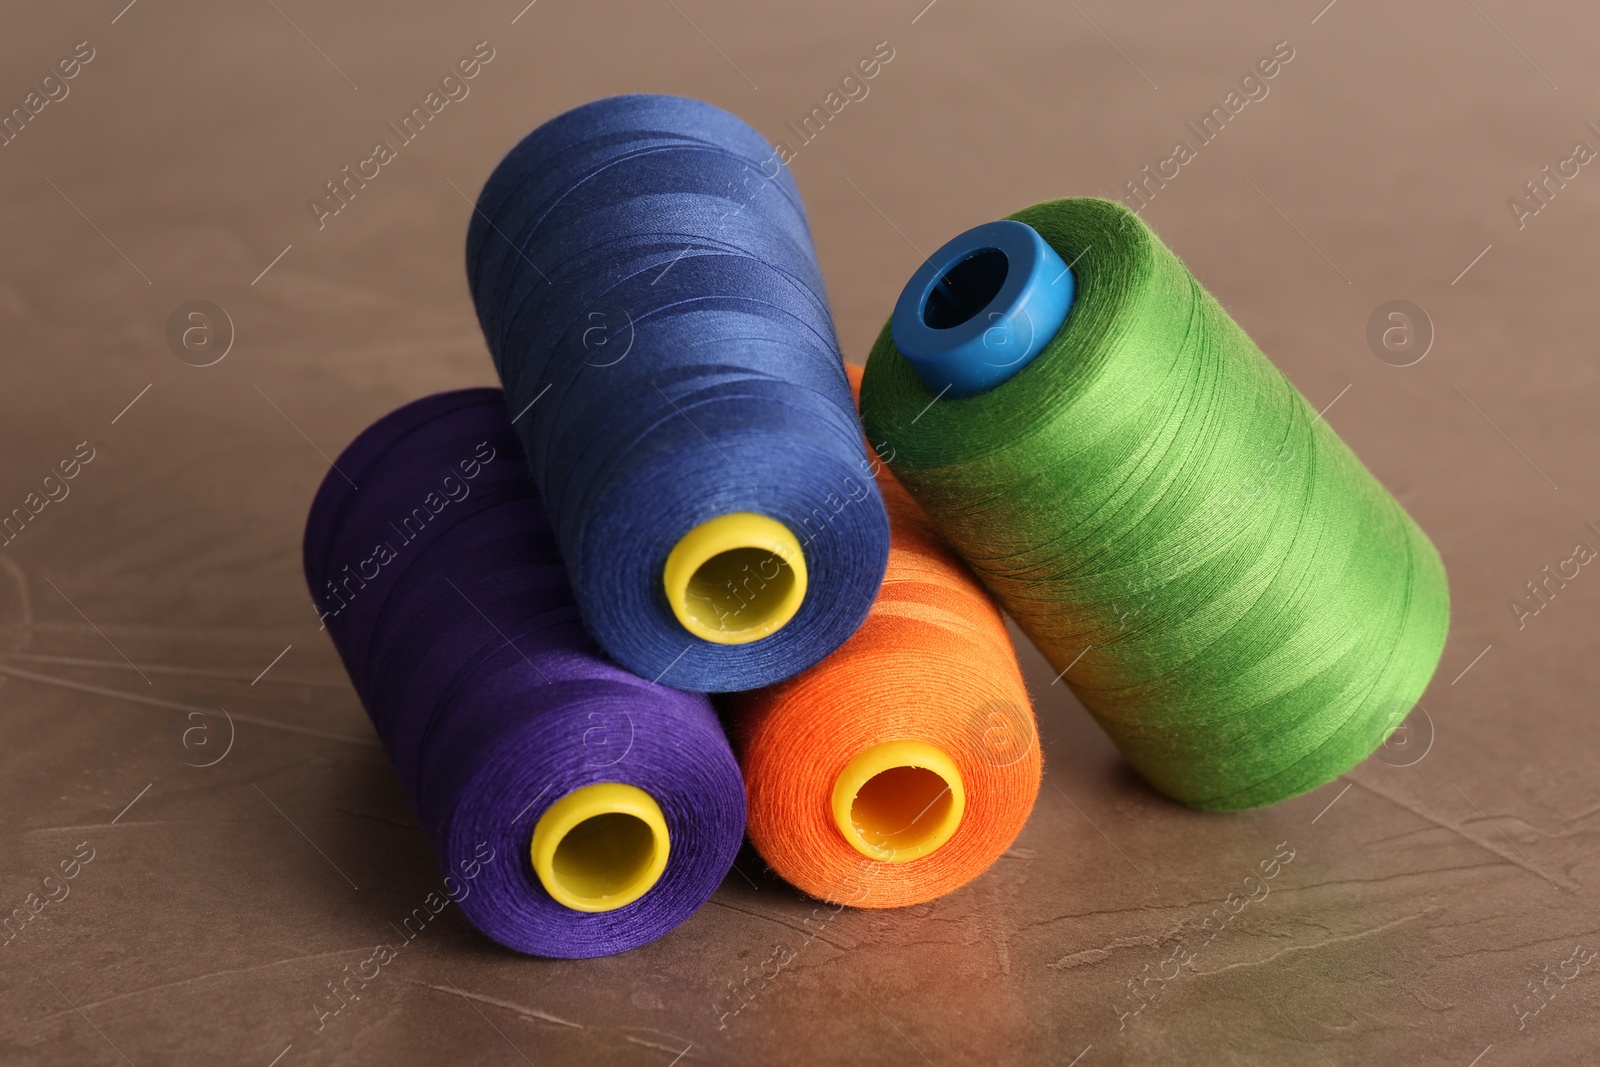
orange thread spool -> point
(899, 768)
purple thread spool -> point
(445, 594)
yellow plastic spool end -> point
(899, 800)
(600, 847)
(736, 578)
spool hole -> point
(902, 808)
(964, 290)
(735, 578)
(604, 856)
(601, 847)
(740, 590)
(899, 800)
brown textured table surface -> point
(1436, 910)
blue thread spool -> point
(983, 306)
(644, 276)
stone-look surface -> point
(1421, 900)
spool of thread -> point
(645, 280)
(592, 811)
(1234, 597)
(901, 767)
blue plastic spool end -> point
(979, 309)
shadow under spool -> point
(609, 808)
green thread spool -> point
(1241, 605)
